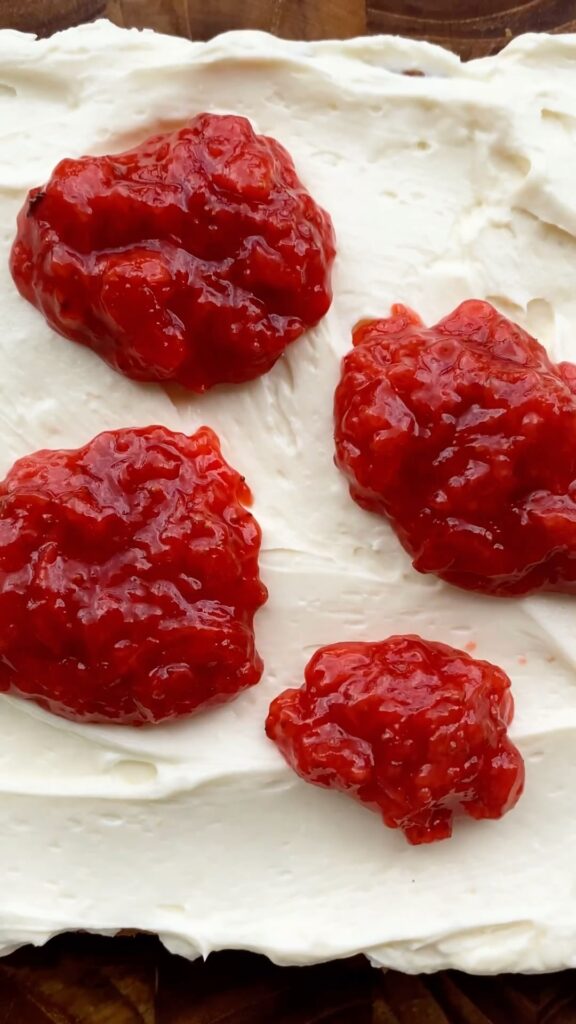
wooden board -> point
(79, 979)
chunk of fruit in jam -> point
(128, 578)
(411, 728)
(196, 257)
(464, 436)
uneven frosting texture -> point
(441, 187)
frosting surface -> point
(441, 187)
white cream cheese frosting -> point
(446, 186)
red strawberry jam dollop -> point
(413, 729)
(196, 257)
(128, 578)
(464, 436)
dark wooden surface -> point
(471, 27)
(84, 979)
(79, 979)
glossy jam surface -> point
(411, 728)
(196, 257)
(464, 436)
(128, 578)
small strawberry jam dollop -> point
(464, 436)
(410, 728)
(196, 257)
(128, 578)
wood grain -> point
(293, 19)
(46, 16)
(472, 28)
(80, 979)
(83, 979)
(244, 989)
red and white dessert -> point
(441, 187)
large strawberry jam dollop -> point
(411, 728)
(196, 257)
(464, 436)
(128, 578)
